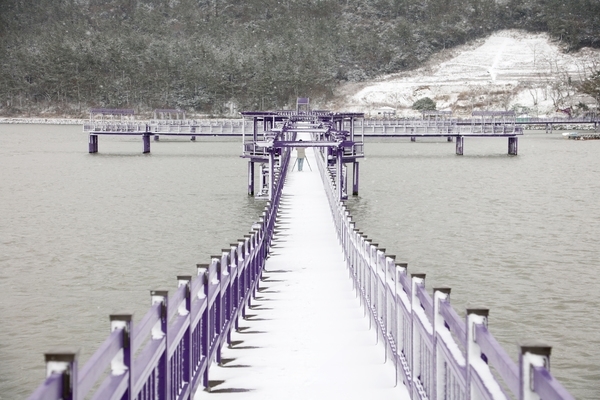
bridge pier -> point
(264, 179)
(250, 178)
(355, 176)
(93, 146)
(339, 173)
(146, 140)
(513, 146)
(460, 140)
(271, 172)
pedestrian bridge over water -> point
(172, 123)
(304, 306)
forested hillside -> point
(64, 56)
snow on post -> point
(480, 381)
(122, 362)
(63, 366)
(185, 306)
(531, 355)
(535, 380)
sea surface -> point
(86, 235)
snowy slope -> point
(508, 68)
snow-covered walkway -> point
(305, 336)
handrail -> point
(495, 355)
(436, 353)
(181, 334)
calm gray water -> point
(83, 236)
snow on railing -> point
(437, 354)
(180, 336)
(165, 126)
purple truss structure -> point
(273, 136)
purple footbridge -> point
(434, 353)
(432, 124)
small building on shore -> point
(383, 112)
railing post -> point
(205, 337)
(123, 362)
(388, 265)
(236, 262)
(531, 355)
(247, 271)
(439, 294)
(160, 332)
(65, 364)
(219, 302)
(417, 279)
(227, 262)
(185, 309)
(402, 328)
(475, 316)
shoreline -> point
(44, 121)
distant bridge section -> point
(273, 132)
(173, 122)
(440, 124)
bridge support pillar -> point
(460, 145)
(513, 146)
(264, 179)
(93, 147)
(271, 170)
(146, 140)
(250, 178)
(156, 138)
(339, 175)
(355, 175)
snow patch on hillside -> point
(510, 69)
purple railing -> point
(437, 354)
(167, 355)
